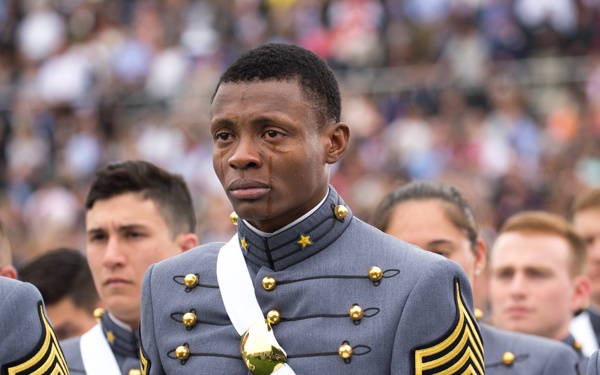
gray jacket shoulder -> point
(518, 353)
(71, 348)
(28, 339)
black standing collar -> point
(298, 242)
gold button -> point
(135, 371)
(273, 317)
(190, 280)
(182, 352)
(478, 314)
(234, 218)
(268, 283)
(340, 212)
(577, 345)
(189, 319)
(345, 351)
(356, 312)
(375, 273)
(98, 313)
(508, 358)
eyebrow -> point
(526, 268)
(439, 242)
(121, 228)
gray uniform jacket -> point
(28, 344)
(417, 317)
(576, 348)
(594, 364)
(511, 353)
(123, 343)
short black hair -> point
(168, 191)
(456, 207)
(61, 273)
(286, 62)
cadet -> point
(437, 218)
(29, 344)
(137, 214)
(537, 281)
(585, 214)
(64, 279)
(304, 286)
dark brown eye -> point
(272, 133)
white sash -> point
(237, 291)
(581, 328)
(98, 358)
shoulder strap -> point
(237, 292)
(98, 358)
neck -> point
(128, 324)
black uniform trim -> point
(458, 351)
(46, 357)
(386, 275)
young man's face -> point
(531, 288)
(69, 320)
(587, 224)
(125, 234)
(269, 151)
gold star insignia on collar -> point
(110, 336)
(244, 243)
(304, 241)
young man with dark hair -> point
(64, 279)
(137, 214)
(304, 286)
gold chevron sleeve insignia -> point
(144, 363)
(45, 359)
(458, 352)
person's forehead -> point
(589, 216)
(533, 247)
(123, 209)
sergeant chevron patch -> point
(459, 352)
(45, 359)
(144, 363)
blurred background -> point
(500, 98)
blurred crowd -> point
(500, 98)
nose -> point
(517, 286)
(113, 255)
(246, 154)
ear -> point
(338, 139)
(8, 271)
(582, 288)
(480, 254)
(186, 241)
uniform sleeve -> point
(593, 365)
(149, 356)
(32, 344)
(437, 332)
